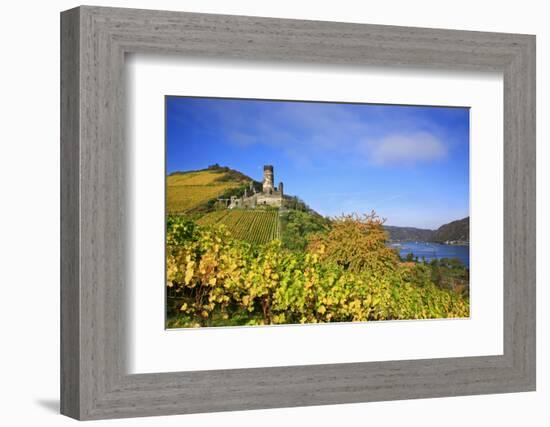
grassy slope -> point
(188, 190)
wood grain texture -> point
(70, 291)
(94, 177)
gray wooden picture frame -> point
(94, 41)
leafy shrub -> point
(357, 243)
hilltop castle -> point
(269, 196)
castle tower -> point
(281, 188)
(267, 186)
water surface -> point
(433, 250)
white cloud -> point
(405, 149)
(304, 130)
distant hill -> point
(456, 231)
(192, 191)
(409, 234)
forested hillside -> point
(409, 234)
(456, 231)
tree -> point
(357, 243)
(298, 225)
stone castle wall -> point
(270, 196)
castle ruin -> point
(269, 196)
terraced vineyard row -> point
(253, 226)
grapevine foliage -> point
(347, 274)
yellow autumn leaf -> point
(368, 299)
(188, 276)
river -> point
(433, 250)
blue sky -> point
(408, 163)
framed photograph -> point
(242, 251)
(261, 213)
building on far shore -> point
(269, 196)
